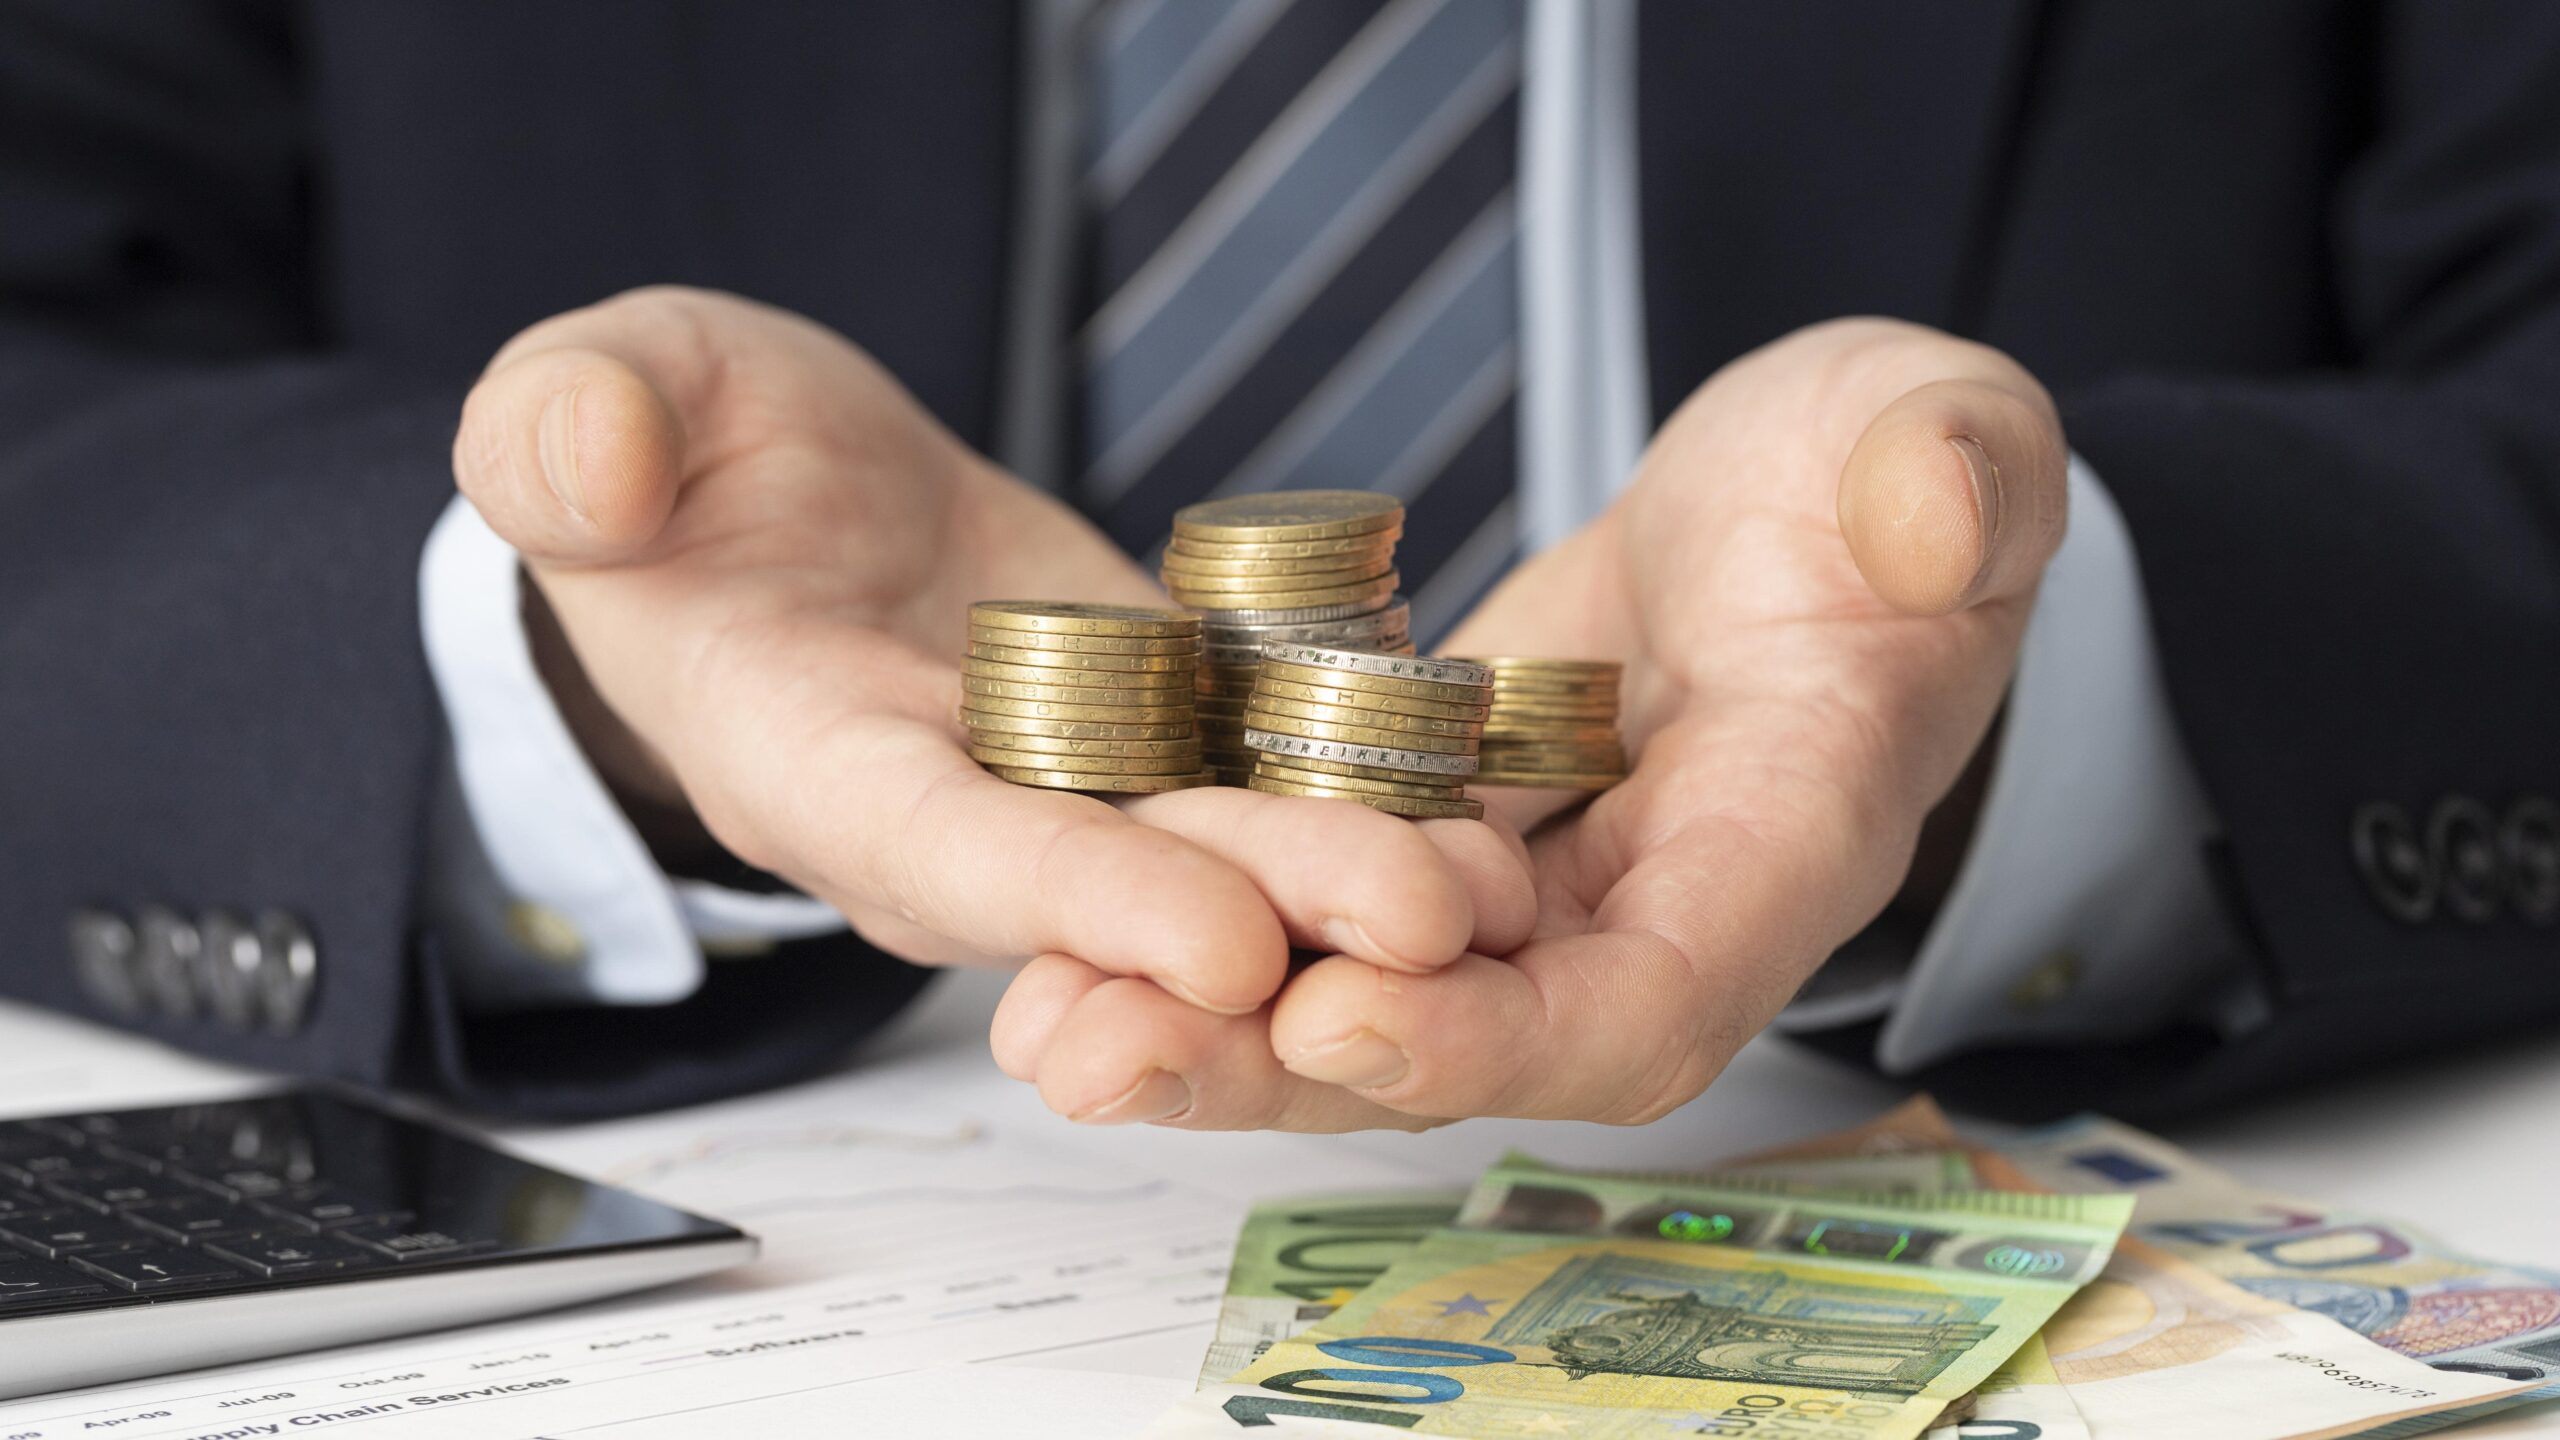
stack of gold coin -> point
(1554, 724)
(1083, 697)
(1313, 567)
(1393, 732)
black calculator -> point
(138, 1242)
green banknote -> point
(1910, 1172)
(1799, 1317)
(1302, 1258)
(2054, 1241)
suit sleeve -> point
(214, 706)
(211, 699)
(2356, 577)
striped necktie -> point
(1301, 268)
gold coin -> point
(1359, 734)
(1083, 644)
(1191, 548)
(1195, 582)
(1410, 789)
(1069, 660)
(1288, 515)
(1352, 770)
(1377, 559)
(1510, 685)
(1511, 765)
(1056, 710)
(1054, 745)
(1273, 705)
(1497, 729)
(1052, 674)
(983, 723)
(1374, 684)
(1548, 665)
(1298, 749)
(1557, 749)
(1542, 713)
(1086, 764)
(1069, 617)
(1072, 694)
(1367, 699)
(1106, 784)
(1547, 780)
(1410, 807)
(1366, 592)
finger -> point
(1127, 1053)
(1033, 1008)
(583, 428)
(1696, 948)
(1542, 1034)
(571, 455)
(1955, 494)
(888, 814)
(1346, 878)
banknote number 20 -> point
(1378, 1350)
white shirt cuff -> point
(2084, 909)
(605, 925)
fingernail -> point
(1986, 488)
(1350, 937)
(1361, 1060)
(1197, 1001)
(1158, 1095)
(557, 440)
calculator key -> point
(194, 1219)
(25, 1282)
(35, 1167)
(120, 1190)
(19, 1140)
(325, 1206)
(238, 1184)
(156, 1268)
(402, 1241)
(73, 1129)
(281, 1253)
(58, 1234)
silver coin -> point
(1394, 667)
(1392, 643)
(1421, 762)
(1394, 615)
(1310, 615)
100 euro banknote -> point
(1804, 1317)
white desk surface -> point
(2461, 1148)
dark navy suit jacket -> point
(2293, 268)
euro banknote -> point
(1300, 1259)
(2381, 1278)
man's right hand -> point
(760, 551)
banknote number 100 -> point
(1319, 1403)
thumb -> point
(571, 453)
(1955, 494)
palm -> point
(1761, 664)
(1816, 625)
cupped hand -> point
(1817, 580)
(760, 551)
